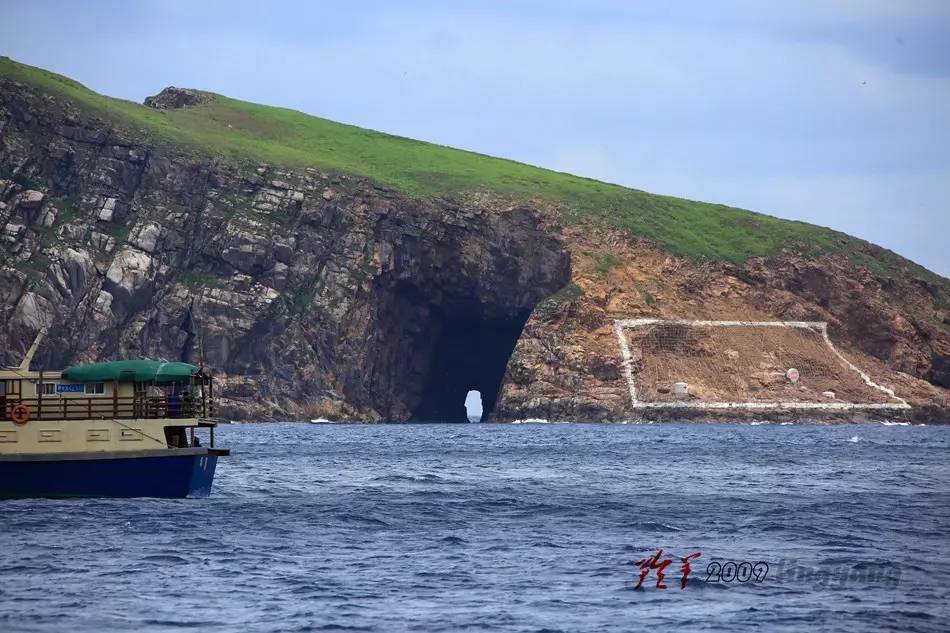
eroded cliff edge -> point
(323, 294)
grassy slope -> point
(250, 133)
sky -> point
(832, 112)
(473, 405)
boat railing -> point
(97, 408)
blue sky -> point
(831, 112)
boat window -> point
(95, 388)
(46, 389)
(176, 437)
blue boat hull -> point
(188, 473)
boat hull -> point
(173, 473)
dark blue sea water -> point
(505, 528)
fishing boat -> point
(114, 429)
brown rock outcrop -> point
(567, 362)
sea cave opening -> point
(470, 354)
(452, 309)
(473, 405)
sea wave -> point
(368, 527)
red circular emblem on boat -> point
(20, 414)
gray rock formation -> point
(310, 293)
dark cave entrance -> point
(470, 353)
(453, 306)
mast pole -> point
(25, 364)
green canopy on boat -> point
(153, 371)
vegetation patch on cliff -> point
(248, 133)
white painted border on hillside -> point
(820, 326)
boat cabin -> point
(124, 389)
(118, 405)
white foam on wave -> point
(321, 421)
(854, 439)
(890, 423)
(531, 421)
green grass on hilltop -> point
(249, 133)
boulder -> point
(107, 212)
(78, 266)
(129, 278)
(147, 237)
(48, 219)
(31, 199)
(172, 98)
(12, 231)
(33, 312)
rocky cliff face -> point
(566, 364)
(317, 294)
(310, 294)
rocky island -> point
(323, 270)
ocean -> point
(485, 527)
